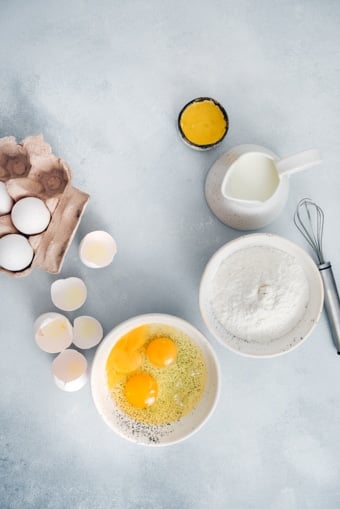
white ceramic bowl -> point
(298, 333)
(146, 434)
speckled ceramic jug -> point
(250, 214)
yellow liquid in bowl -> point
(203, 122)
(180, 385)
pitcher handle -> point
(298, 162)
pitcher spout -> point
(240, 201)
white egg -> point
(53, 332)
(97, 249)
(68, 294)
(16, 253)
(87, 332)
(69, 369)
(30, 215)
(6, 201)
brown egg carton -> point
(29, 168)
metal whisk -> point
(309, 219)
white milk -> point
(253, 177)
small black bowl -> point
(195, 145)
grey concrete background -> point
(104, 81)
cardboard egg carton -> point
(29, 168)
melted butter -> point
(203, 123)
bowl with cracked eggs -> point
(155, 379)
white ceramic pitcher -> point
(247, 187)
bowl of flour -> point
(261, 295)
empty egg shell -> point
(6, 201)
(68, 294)
(87, 332)
(53, 332)
(69, 369)
(97, 249)
(16, 253)
(30, 215)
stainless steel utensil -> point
(309, 219)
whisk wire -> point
(318, 227)
(309, 220)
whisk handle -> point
(332, 302)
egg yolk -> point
(125, 356)
(136, 338)
(162, 352)
(124, 361)
(141, 390)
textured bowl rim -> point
(244, 239)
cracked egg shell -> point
(87, 332)
(97, 249)
(69, 370)
(68, 294)
(53, 332)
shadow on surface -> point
(24, 115)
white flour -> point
(259, 294)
